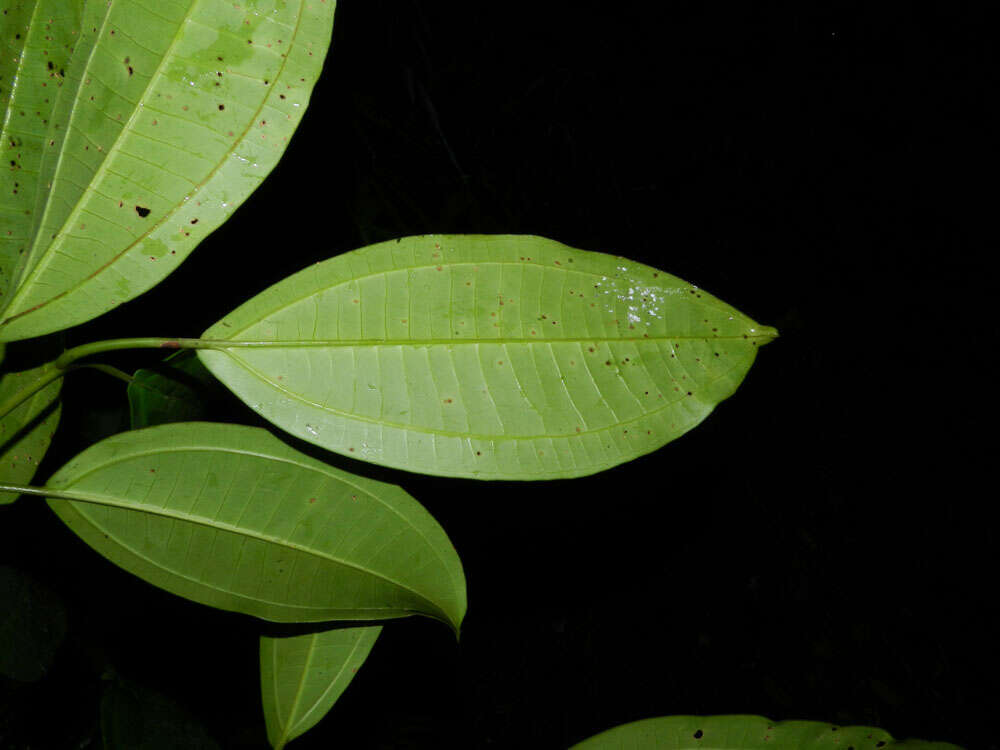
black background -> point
(820, 548)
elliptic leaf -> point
(174, 391)
(303, 676)
(26, 432)
(746, 733)
(32, 626)
(494, 357)
(132, 130)
(232, 517)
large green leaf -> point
(495, 357)
(26, 432)
(302, 676)
(230, 516)
(746, 733)
(132, 129)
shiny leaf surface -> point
(232, 517)
(746, 733)
(26, 432)
(131, 131)
(302, 676)
(494, 357)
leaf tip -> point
(765, 334)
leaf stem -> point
(106, 369)
(97, 347)
(18, 489)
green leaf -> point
(494, 357)
(26, 432)
(32, 626)
(131, 131)
(303, 676)
(232, 517)
(746, 733)
(134, 717)
(174, 391)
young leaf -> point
(746, 733)
(230, 516)
(131, 131)
(26, 432)
(173, 391)
(303, 676)
(494, 357)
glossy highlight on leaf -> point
(493, 357)
(130, 131)
(302, 676)
(747, 733)
(230, 516)
(26, 432)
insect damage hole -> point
(142, 211)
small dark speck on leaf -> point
(194, 221)
(51, 66)
(142, 211)
(698, 735)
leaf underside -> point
(746, 733)
(230, 516)
(302, 676)
(26, 432)
(493, 357)
(131, 130)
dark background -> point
(820, 548)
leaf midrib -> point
(338, 343)
(722, 306)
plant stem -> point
(96, 347)
(106, 369)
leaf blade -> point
(166, 119)
(229, 516)
(492, 357)
(26, 432)
(303, 676)
(746, 733)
